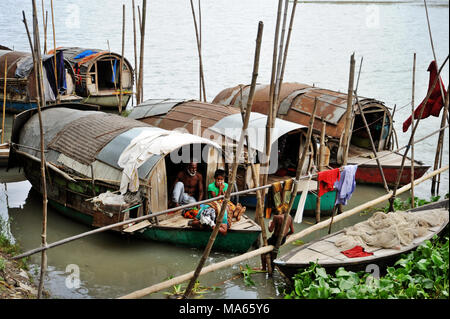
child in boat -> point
(219, 187)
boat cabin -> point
(296, 105)
(21, 91)
(98, 76)
(90, 153)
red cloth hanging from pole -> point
(435, 102)
(326, 180)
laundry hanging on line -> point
(345, 186)
(326, 180)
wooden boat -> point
(327, 255)
(21, 91)
(83, 150)
(223, 125)
(296, 105)
(97, 76)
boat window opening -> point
(360, 137)
(108, 74)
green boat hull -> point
(235, 241)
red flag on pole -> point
(435, 102)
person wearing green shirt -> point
(218, 187)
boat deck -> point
(178, 221)
(386, 158)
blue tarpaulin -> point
(84, 54)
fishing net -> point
(392, 230)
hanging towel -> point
(301, 204)
(356, 252)
(346, 184)
(327, 179)
(435, 103)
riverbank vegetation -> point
(15, 282)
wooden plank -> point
(137, 226)
(306, 256)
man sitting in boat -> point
(275, 227)
(187, 185)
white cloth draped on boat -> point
(147, 144)
(304, 188)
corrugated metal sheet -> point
(153, 107)
(111, 152)
(231, 127)
(194, 116)
(83, 138)
(297, 102)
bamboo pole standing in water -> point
(121, 61)
(135, 52)
(58, 97)
(301, 161)
(44, 24)
(141, 54)
(237, 155)
(321, 166)
(4, 98)
(202, 94)
(412, 136)
(37, 63)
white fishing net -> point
(392, 230)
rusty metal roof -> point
(297, 102)
(172, 114)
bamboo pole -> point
(58, 97)
(301, 161)
(44, 24)
(121, 61)
(135, 52)
(4, 98)
(349, 113)
(412, 122)
(264, 250)
(270, 115)
(321, 166)
(202, 94)
(372, 144)
(37, 62)
(232, 180)
(442, 139)
(259, 218)
(141, 55)
(391, 204)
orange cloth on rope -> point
(327, 179)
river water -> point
(385, 33)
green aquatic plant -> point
(198, 290)
(247, 273)
(403, 205)
(422, 273)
